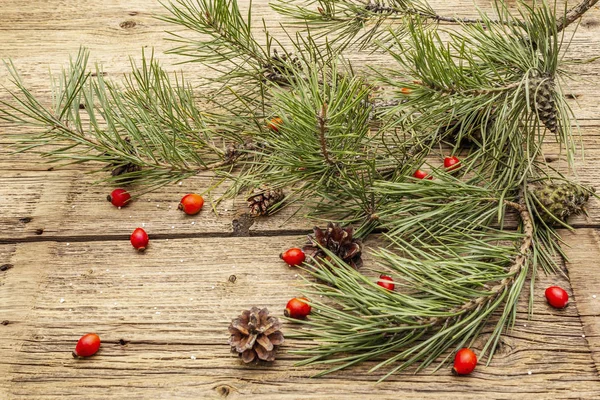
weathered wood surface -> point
(174, 302)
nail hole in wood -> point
(123, 342)
(5, 322)
(25, 220)
(6, 267)
(571, 96)
(550, 159)
(81, 106)
(232, 278)
(39, 231)
(127, 24)
(133, 13)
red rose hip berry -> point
(386, 282)
(87, 345)
(419, 174)
(297, 308)
(139, 239)
(464, 362)
(191, 204)
(293, 256)
(451, 163)
(557, 297)
(119, 197)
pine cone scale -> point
(248, 356)
(264, 342)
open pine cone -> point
(255, 334)
(339, 241)
(560, 200)
(263, 202)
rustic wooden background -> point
(163, 315)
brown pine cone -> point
(255, 334)
(337, 240)
(263, 202)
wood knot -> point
(39, 231)
(223, 390)
(133, 13)
(5, 322)
(127, 24)
(6, 267)
(25, 220)
(241, 225)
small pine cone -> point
(255, 335)
(263, 202)
(125, 169)
(280, 67)
(560, 200)
(541, 92)
(337, 240)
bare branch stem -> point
(574, 14)
(322, 130)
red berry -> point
(293, 256)
(191, 204)
(464, 362)
(297, 308)
(422, 175)
(386, 282)
(274, 124)
(451, 163)
(119, 197)
(87, 345)
(557, 297)
(139, 239)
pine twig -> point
(513, 271)
(379, 8)
(322, 130)
(574, 14)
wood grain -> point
(154, 311)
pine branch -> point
(514, 271)
(574, 14)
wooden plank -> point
(67, 204)
(132, 26)
(175, 301)
(582, 249)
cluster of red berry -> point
(465, 359)
(450, 164)
(191, 204)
